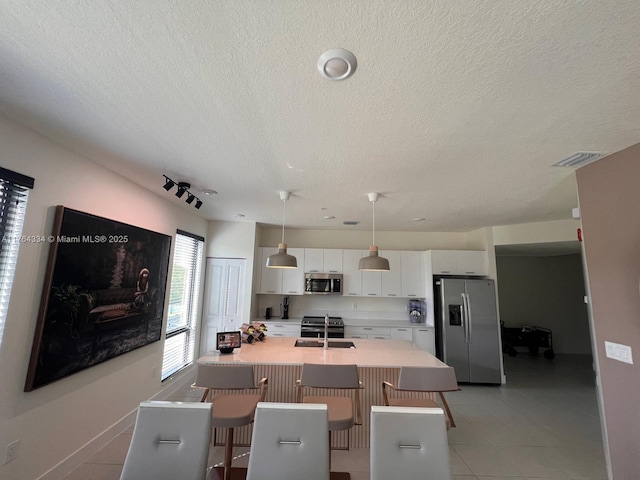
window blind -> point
(14, 192)
(182, 318)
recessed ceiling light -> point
(419, 219)
(329, 217)
(350, 222)
(239, 215)
(337, 64)
(209, 192)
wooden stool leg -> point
(329, 450)
(228, 454)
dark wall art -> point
(103, 294)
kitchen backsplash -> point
(336, 306)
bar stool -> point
(230, 410)
(423, 379)
(340, 408)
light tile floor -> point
(543, 424)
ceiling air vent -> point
(350, 222)
(579, 159)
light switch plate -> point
(619, 352)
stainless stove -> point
(314, 327)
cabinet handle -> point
(412, 295)
(391, 295)
(271, 291)
(469, 272)
(313, 271)
(333, 271)
(402, 329)
(372, 294)
(445, 271)
(367, 328)
(292, 291)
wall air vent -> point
(579, 159)
(350, 222)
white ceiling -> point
(456, 111)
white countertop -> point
(368, 353)
(356, 322)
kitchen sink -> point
(316, 343)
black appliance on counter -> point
(285, 308)
(314, 327)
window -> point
(182, 319)
(14, 190)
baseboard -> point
(84, 453)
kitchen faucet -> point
(326, 328)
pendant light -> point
(372, 262)
(282, 259)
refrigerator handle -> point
(469, 319)
(464, 318)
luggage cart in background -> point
(533, 338)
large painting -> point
(103, 294)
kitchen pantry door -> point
(223, 299)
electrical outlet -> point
(11, 452)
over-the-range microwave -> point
(323, 283)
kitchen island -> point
(281, 362)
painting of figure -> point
(103, 294)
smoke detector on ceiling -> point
(337, 64)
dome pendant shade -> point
(282, 259)
(373, 263)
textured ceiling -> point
(456, 112)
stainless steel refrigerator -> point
(467, 334)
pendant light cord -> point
(284, 204)
(374, 223)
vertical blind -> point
(14, 191)
(182, 318)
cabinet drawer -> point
(402, 333)
(366, 331)
(282, 329)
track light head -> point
(182, 188)
(198, 204)
(169, 183)
(190, 198)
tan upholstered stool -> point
(230, 410)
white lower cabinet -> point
(367, 332)
(425, 338)
(283, 329)
(402, 333)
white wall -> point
(540, 232)
(54, 421)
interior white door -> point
(223, 299)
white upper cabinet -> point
(270, 278)
(318, 260)
(444, 262)
(352, 277)
(332, 260)
(391, 281)
(459, 262)
(472, 262)
(284, 281)
(412, 274)
(293, 278)
(313, 260)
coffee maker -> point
(417, 311)
(285, 308)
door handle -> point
(469, 319)
(463, 313)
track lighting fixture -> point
(183, 187)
